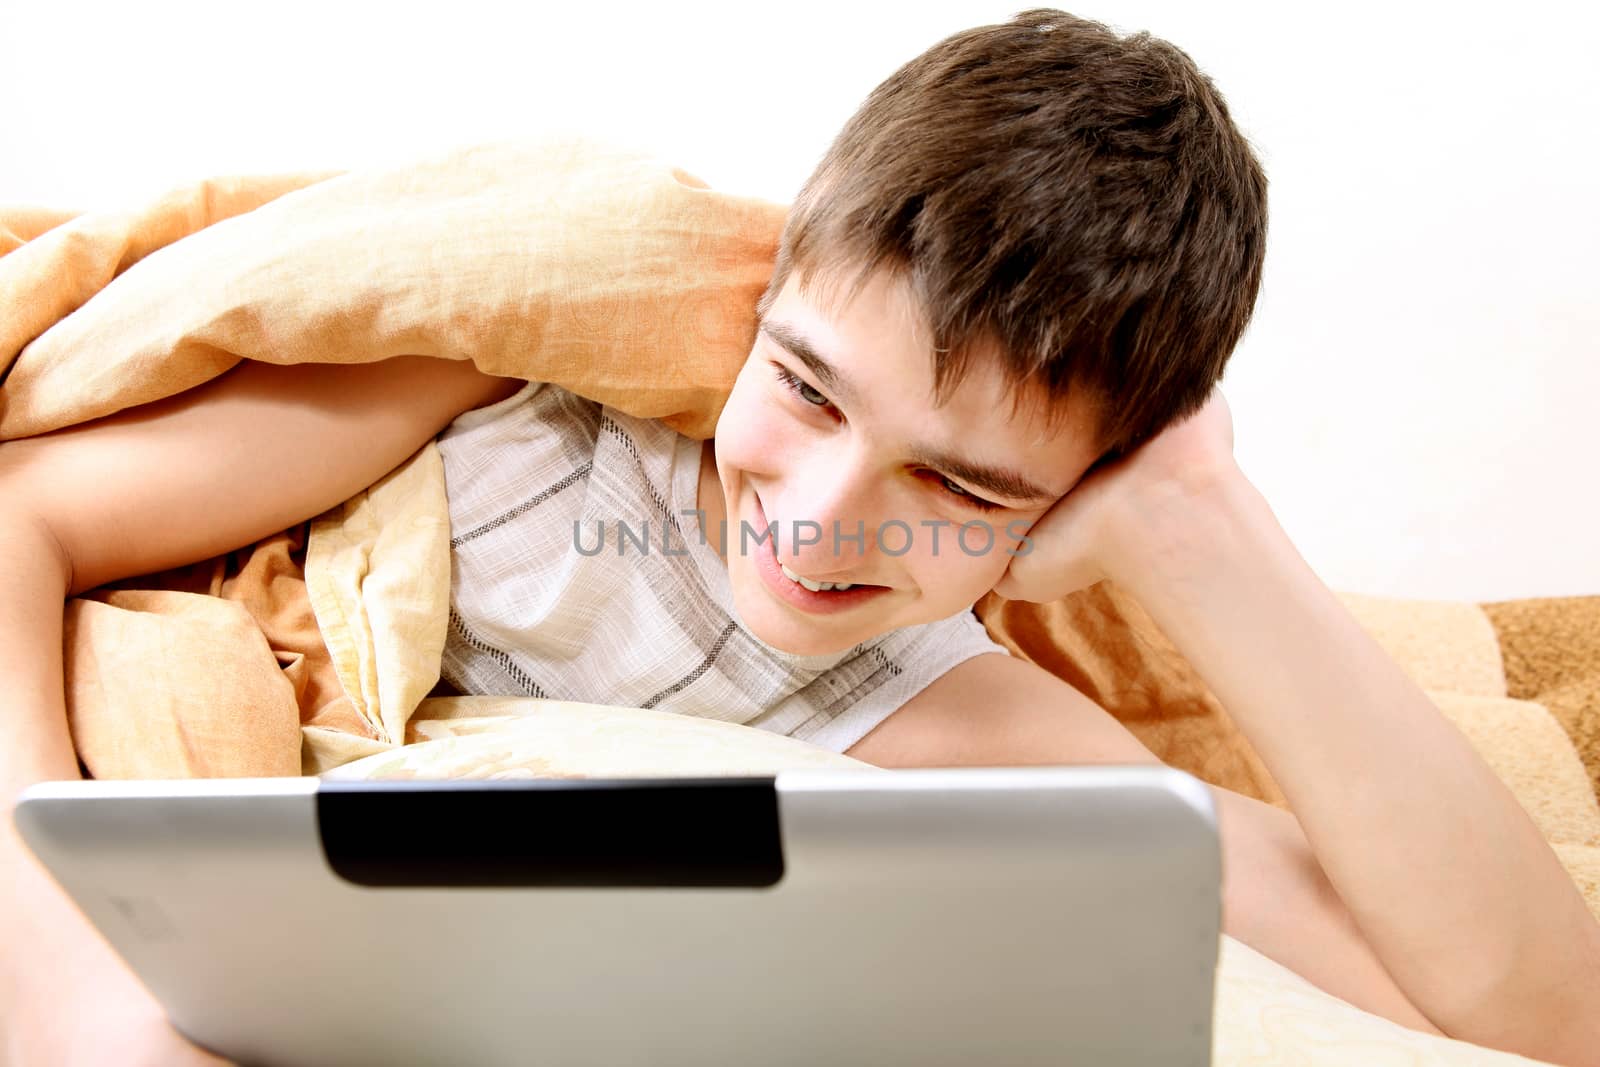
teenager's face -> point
(850, 440)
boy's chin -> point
(799, 636)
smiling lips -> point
(802, 592)
(815, 587)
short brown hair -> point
(1079, 198)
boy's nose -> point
(828, 529)
(828, 550)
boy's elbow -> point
(1552, 1036)
(27, 535)
(1554, 1018)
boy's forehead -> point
(1025, 416)
(841, 290)
(877, 367)
(812, 314)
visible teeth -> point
(815, 587)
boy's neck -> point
(709, 499)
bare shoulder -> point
(999, 710)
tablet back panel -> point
(930, 916)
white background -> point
(1417, 395)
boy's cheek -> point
(952, 579)
(752, 444)
(746, 430)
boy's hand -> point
(1121, 515)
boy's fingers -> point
(1042, 592)
(1056, 562)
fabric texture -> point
(551, 259)
(1551, 652)
(556, 263)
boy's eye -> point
(976, 501)
(810, 395)
(800, 388)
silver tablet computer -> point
(1038, 915)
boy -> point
(1070, 227)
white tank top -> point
(533, 615)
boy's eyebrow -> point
(1001, 481)
(799, 346)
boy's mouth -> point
(815, 587)
(802, 592)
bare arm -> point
(1446, 877)
(1003, 712)
(223, 465)
(1445, 874)
(64, 997)
(208, 471)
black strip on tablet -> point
(558, 833)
